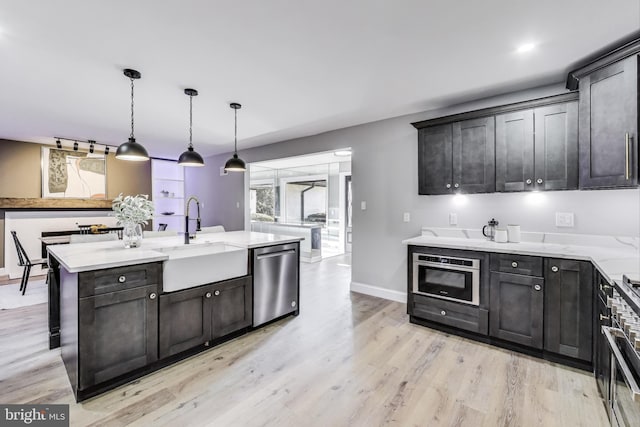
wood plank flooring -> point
(347, 360)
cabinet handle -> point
(444, 313)
(152, 296)
(122, 279)
(604, 317)
(626, 156)
(554, 269)
(537, 287)
(539, 180)
(528, 181)
(514, 264)
(604, 287)
(456, 185)
(448, 185)
(207, 295)
(216, 293)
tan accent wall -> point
(21, 176)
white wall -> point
(385, 175)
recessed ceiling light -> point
(342, 153)
(527, 47)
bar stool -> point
(24, 261)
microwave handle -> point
(628, 377)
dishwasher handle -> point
(275, 254)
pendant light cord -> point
(235, 132)
(190, 120)
(132, 123)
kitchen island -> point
(120, 313)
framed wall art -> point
(73, 174)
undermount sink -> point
(199, 264)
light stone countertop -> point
(612, 256)
(99, 255)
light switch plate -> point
(363, 205)
(222, 171)
(564, 219)
(453, 218)
(406, 217)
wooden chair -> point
(24, 261)
(162, 227)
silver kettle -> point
(489, 230)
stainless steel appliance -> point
(623, 338)
(446, 277)
(275, 282)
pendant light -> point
(190, 157)
(131, 150)
(235, 164)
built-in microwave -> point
(451, 278)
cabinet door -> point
(474, 162)
(118, 333)
(514, 151)
(232, 306)
(516, 308)
(556, 147)
(568, 313)
(609, 126)
(185, 319)
(434, 160)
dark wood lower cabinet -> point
(192, 317)
(516, 308)
(117, 333)
(568, 312)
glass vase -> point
(132, 235)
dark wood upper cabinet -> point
(537, 149)
(435, 173)
(568, 308)
(514, 151)
(556, 146)
(474, 155)
(609, 126)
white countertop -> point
(612, 262)
(99, 255)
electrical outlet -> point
(406, 217)
(564, 219)
(363, 205)
(453, 218)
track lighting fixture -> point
(58, 144)
(91, 146)
(75, 146)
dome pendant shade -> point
(132, 151)
(190, 158)
(235, 164)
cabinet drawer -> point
(603, 287)
(99, 282)
(516, 264)
(461, 316)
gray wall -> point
(385, 175)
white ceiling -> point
(299, 67)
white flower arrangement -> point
(132, 209)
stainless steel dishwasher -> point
(275, 282)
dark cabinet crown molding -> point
(621, 49)
(491, 111)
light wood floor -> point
(347, 360)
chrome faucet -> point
(187, 236)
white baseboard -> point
(379, 292)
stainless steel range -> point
(623, 338)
